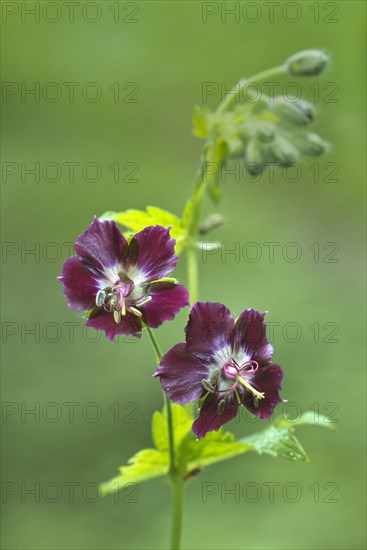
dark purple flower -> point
(122, 284)
(224, 362)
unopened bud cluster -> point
(279, 135)
(271, 131)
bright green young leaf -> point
(109, 215)
(182, 422)
(146, 464)
(214, 447)
(136, 220)
(203, 122)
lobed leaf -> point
(182, 422)
(214, 447)
(146, 464)
(275, 441)
(309, 417)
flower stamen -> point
(135, 311)
(123, 306)
(259, 395)
(100, 298)
(117, 316)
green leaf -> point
(182, 422)
(277, 442)
(136, 220)
(146, 464)
(214, 447)
(309, 417)
(203, 121)
(109, 215)
(274, 441)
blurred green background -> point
(168, 53)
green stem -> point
(173, 474)
(171, 440)
(177, 513)
(193, 273)
(155, 344)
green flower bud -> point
(254, 157)
(212, 222)
(296, 112)
(281, 151)
(311, 144)
(265, 132)
(307, 63)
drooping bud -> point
(254, 157)
(307, 63)
(281, 151)
(212, 222)
(265, 132)
(296, 112)
(311, 144)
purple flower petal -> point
(79, 285)
(104, 320)
(130, 255)
(156, 257)
(167, 300)
(209, 331)
(267, 380)
(250, 335)
(181, 375)
(102, 243)
(209, 419)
